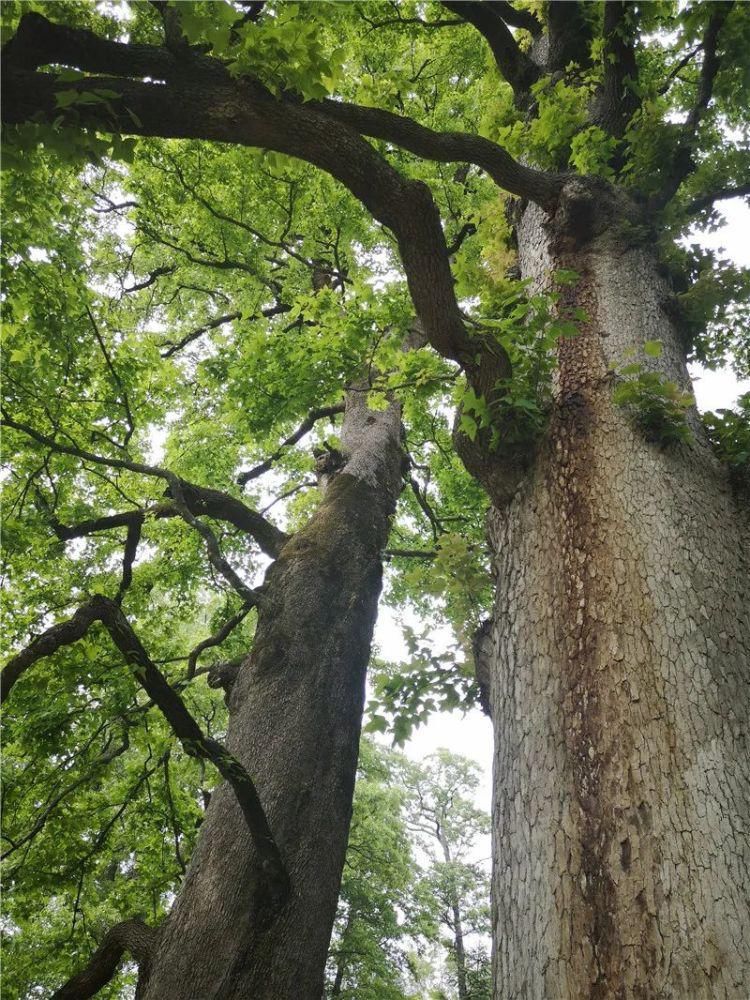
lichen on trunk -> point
(620, 645)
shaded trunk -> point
(295, 711)
(618, 673)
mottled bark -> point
(295, 711)
(619, 679)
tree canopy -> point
(218, 217)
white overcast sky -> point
(471, 734)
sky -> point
(471, 734)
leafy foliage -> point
(729, 433)
(658, 405)
(187, 303)
(399, 893)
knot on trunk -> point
(589, 208)
(328, 461)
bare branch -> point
(174, 347)
(410, 554)
(196, 500)
(151, 279)
(468, 229)
(684, 164)
(706, 200)
(107, 756)
(124, 401)
(307, 424)
(173, 816)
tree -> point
(448, 824)
(408, 872)
(381, 914)
(614, 663)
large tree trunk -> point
(295, 713)
(619, 669)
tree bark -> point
(295, 713)
(619, 660)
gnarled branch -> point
(132, 936)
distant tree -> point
(448, 826)
(378, 915)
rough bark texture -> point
(295, 711)
(619, 681)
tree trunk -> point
(295, 713)
(459, 951)
(619, 667)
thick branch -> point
(569, 35)
(711, 62)
(516, 18)
(450, 147)
(617, 100)
(307, 424)
(39, 42)
(63, 634)
(210, 105)
(517, 68)
(131, 936)
(706, 200)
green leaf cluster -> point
(657, 404)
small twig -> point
(214, 640)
